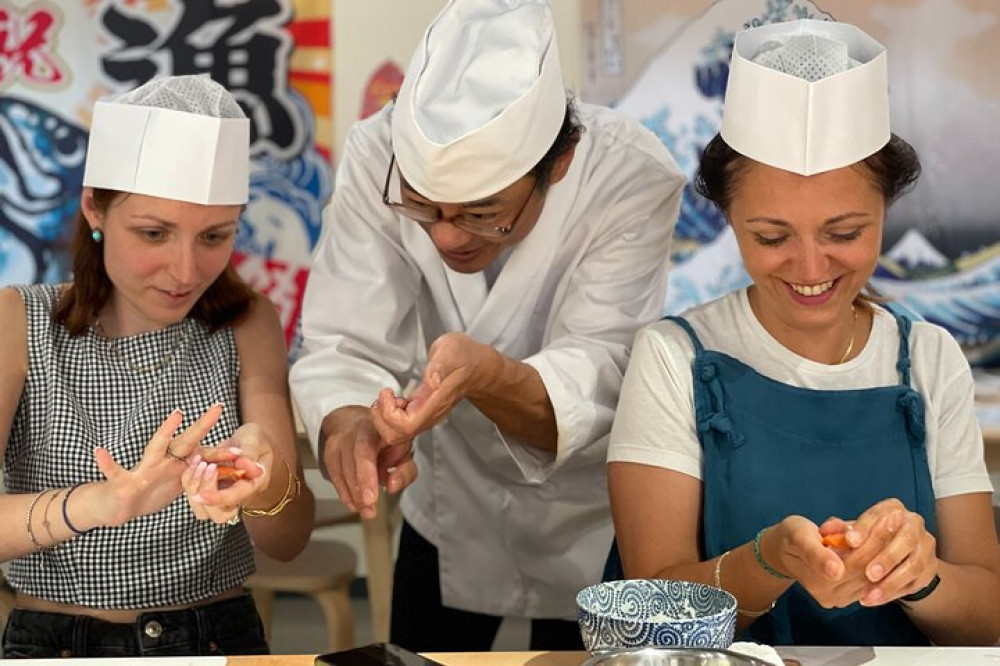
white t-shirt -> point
(655, 420)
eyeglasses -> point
(474, 223)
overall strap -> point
(903, 363)
(709, 394)
(699, 349)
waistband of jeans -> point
(224, 610)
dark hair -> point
(567, 137)
(222, 304)
(894, 169)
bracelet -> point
(718, 583)
(27, 522)
(922, 593)
(760, 559)
(65, 513)
(45, 517)
(291, 492)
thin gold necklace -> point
(137, 368)
(850, 343)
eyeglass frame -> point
(454, 220)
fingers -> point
(806, 545)
(427, 407)
(349, 470)
(424, 391)
(106, 463)
(389, 459)
(332, 458)
(161, 438)
(220, 454)
(191, 483)
(352, 453)
(366, 454)
(200, 481)
(401, 476)
(835, 525)
(906, 562)
(392, 417)
(860, 530)
(185, 443)
(227, 486)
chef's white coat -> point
(519, 530)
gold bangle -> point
(717, 575)
(291, 492)
(45, 517)
(27, 522)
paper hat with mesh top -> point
(482, 100)
(806, 96)
(179, 137)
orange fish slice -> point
(836, 540)
(229, 473)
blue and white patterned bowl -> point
(636, 613)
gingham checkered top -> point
(85, 391)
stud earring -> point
(97, 235)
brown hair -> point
(222, 304)
(893, 170)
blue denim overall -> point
(771, 450)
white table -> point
(886, 656)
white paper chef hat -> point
(806, 96)
(178, 137)
(482, 100)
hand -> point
(155, 481)
(457, 366)
(357, 459)
(396, 467)
(892, 550)
(220, 479)
(796, 548)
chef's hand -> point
(457, 366)
(892, 551)
(357, 459)
(220, 479)
(156, 481)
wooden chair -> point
(378, 539)
(323, 571)
(379, 559)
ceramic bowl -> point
(640, 613)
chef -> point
(494, 247)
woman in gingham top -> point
(144, 406)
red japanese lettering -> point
(27, 44)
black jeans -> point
(227, 627)
(421, 623)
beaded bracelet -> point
(718, 583)
(291, 492)
(65, 513)
(760, 559)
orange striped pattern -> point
(311, 67)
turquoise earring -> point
(97, 235)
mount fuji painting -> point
(914, 252)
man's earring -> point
(97, 235)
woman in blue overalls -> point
(798, 408)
